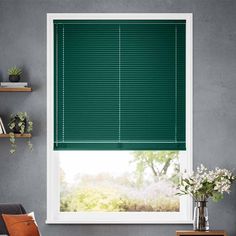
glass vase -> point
(201, 221)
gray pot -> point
(14, 78)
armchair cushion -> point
(21, 225)
(13, 209)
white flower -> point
(203, 183)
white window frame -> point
(54, 216)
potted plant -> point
(19, 123)
(14, 74)
(202, 185)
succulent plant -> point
(14, 71)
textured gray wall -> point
(23, 42)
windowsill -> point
(55, 222)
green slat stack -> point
(119, 85)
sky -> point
(114, 163)
(95, 162)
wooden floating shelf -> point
(16, 135)
(26, 89)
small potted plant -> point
(19, 123)
(14, 74)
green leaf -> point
(216, 197)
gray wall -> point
(23, 42)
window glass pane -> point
(119, 181)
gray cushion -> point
(11, 209)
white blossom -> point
(204, 183)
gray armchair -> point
(12, 209)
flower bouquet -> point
(202, 185)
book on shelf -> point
(2, 126)
(13, 85)
(1, 131)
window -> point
(119, 114)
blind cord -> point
(63, 84)
(119, 86)
(176, 91)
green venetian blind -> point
(119, 85)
